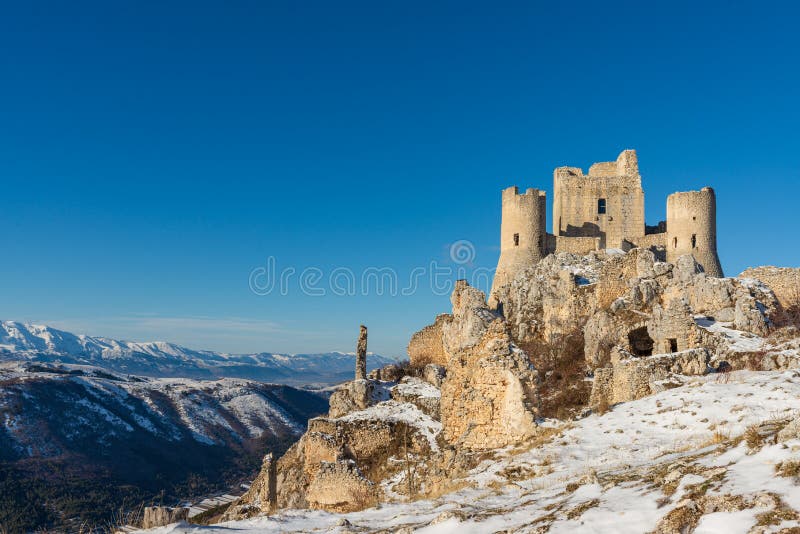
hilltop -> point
(606, 392)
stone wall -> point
(575, 201)
(656, 243)
(426, 345)
(630, 378)
(576, 245)
(159, 516)
(692, 228)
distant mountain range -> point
(44, 344)
(78, 442)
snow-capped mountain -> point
(40, 343)
(86, 441)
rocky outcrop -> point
(420, 393)
(340, 487)
(354, 451)
(471, 318)
(554, 296)
(404, 431)
(356, 395)
(261, 497)
(159, 516)
(784, 283)
(434, 374)
(489, 395)
(790, 431)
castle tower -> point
(692, 228)
(608, 202)
(522, 233)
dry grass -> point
(545, 435)
(790, 468)
(719, 436)
(579, 510)
(560, 362)
(753, 438)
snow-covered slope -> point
(40, 343)
(668, 460)
(83, 441)
(46, 409)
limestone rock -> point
(748, 316)
(392, 372)
(361, 354)
(686, 268)
(261, 498)
(356, 395)
(784, 284)
(471, 318)
(340, 487)
(489, 395)
(419, 393)
(434, 374)
(790, 431)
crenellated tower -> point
(692, 228)
(523, 233)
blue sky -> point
(153, 154)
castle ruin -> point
(603, 209)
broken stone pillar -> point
(361, 354)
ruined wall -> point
(692, 228)
(630, 378)
(426, 346)
(656, 243)
(672, 328)
(577, 245)
(575, 201)
(522, 233)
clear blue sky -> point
(152, 154)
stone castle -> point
(603, 209)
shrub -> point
(752, 438)
(560, 362)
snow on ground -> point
(604, 473)
(416, 387)
(738, 340)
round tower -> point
(522, 233)
(692, 228)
